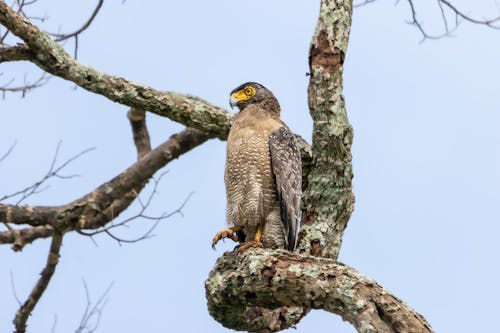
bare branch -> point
(26, 86)
(20, 237)
(363, 3)
(419, 25)
(13, 286)
(141, 215)
(53, 172)
(52, 58)
(15, 53)
(443, 16)
(53, 258)
(137, 118)
(93, 312)
(7, 153)
(487, 22)
(104, 204)
(459, 15)
(54, 324)
(61, 37)
(148, 233)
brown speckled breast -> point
(250, 186)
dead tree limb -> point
(53, 258)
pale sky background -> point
(426, 119)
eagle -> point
(263, 173)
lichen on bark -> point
(285, 280)
(328, 198)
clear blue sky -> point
(426, 159)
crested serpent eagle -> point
(263, 174)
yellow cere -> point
(244, 94)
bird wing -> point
(287, 169)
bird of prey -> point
(263, 174)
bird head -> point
(252, 93)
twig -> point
(52, 259)
(92, 312)
(364, 3)
(14, 292)
(4, 156)
(61, 37)
(419, 25)
(51, 173)
(443, 16)
(141, 214)
(459, 15)
(54, 324)
(26, 87)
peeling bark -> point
(278, 278)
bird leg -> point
(226, 233)
(257, 242)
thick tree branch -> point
(52, 58)
(37, 292)
(328, 198)
(277, 278)
(106, 202)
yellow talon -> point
(257, 242)
(226, 233)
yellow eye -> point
(248, 91)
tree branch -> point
(37, 292)
(454, 11)
(20, 237)
(277, 278)
(15, 53)
(52, 58)
(328, 198)
(26, 86)
(106, 202)
(60, 37)
(137, 118)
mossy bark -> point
(281, 279)
(52, 58)
(328, 198)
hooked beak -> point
(233, 101)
